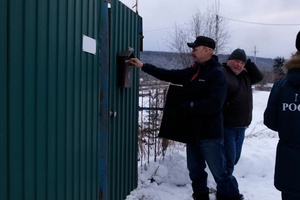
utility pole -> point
(255, 54)
(217, 26)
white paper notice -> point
(89, 44)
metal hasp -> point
(124, 68)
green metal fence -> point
(125, 33)
(49, 100)
(57, 140)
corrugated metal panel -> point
(125, 33)
(3, 101)
(49, 112)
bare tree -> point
(202, 23)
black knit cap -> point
(298, 41)
(203, 41)
(238, 54)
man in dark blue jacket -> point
(208, 85)
(282, 114)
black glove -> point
(249, 62)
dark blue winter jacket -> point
(206, 86)
(283, 115)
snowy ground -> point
(168, 177)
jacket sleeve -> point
(175, 76)
(253, 72)
(271, 112)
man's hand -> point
(136, 62)
(249, 63)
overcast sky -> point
(276, 37)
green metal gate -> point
(49, 104)
(125, 34)
(57, 140)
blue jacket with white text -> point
(283, 115)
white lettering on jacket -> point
(291, 106)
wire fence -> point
(152, 97)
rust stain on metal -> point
(100, 197)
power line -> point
(258, 23)
(246, 22)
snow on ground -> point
(168, 177)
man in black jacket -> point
(240, 74)
(206, 84)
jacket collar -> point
(207, 64)
(293, 63)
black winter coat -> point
(283, 115)
(206, 85)
(239, 103)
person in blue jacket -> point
(207, 81)
(283, 115)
